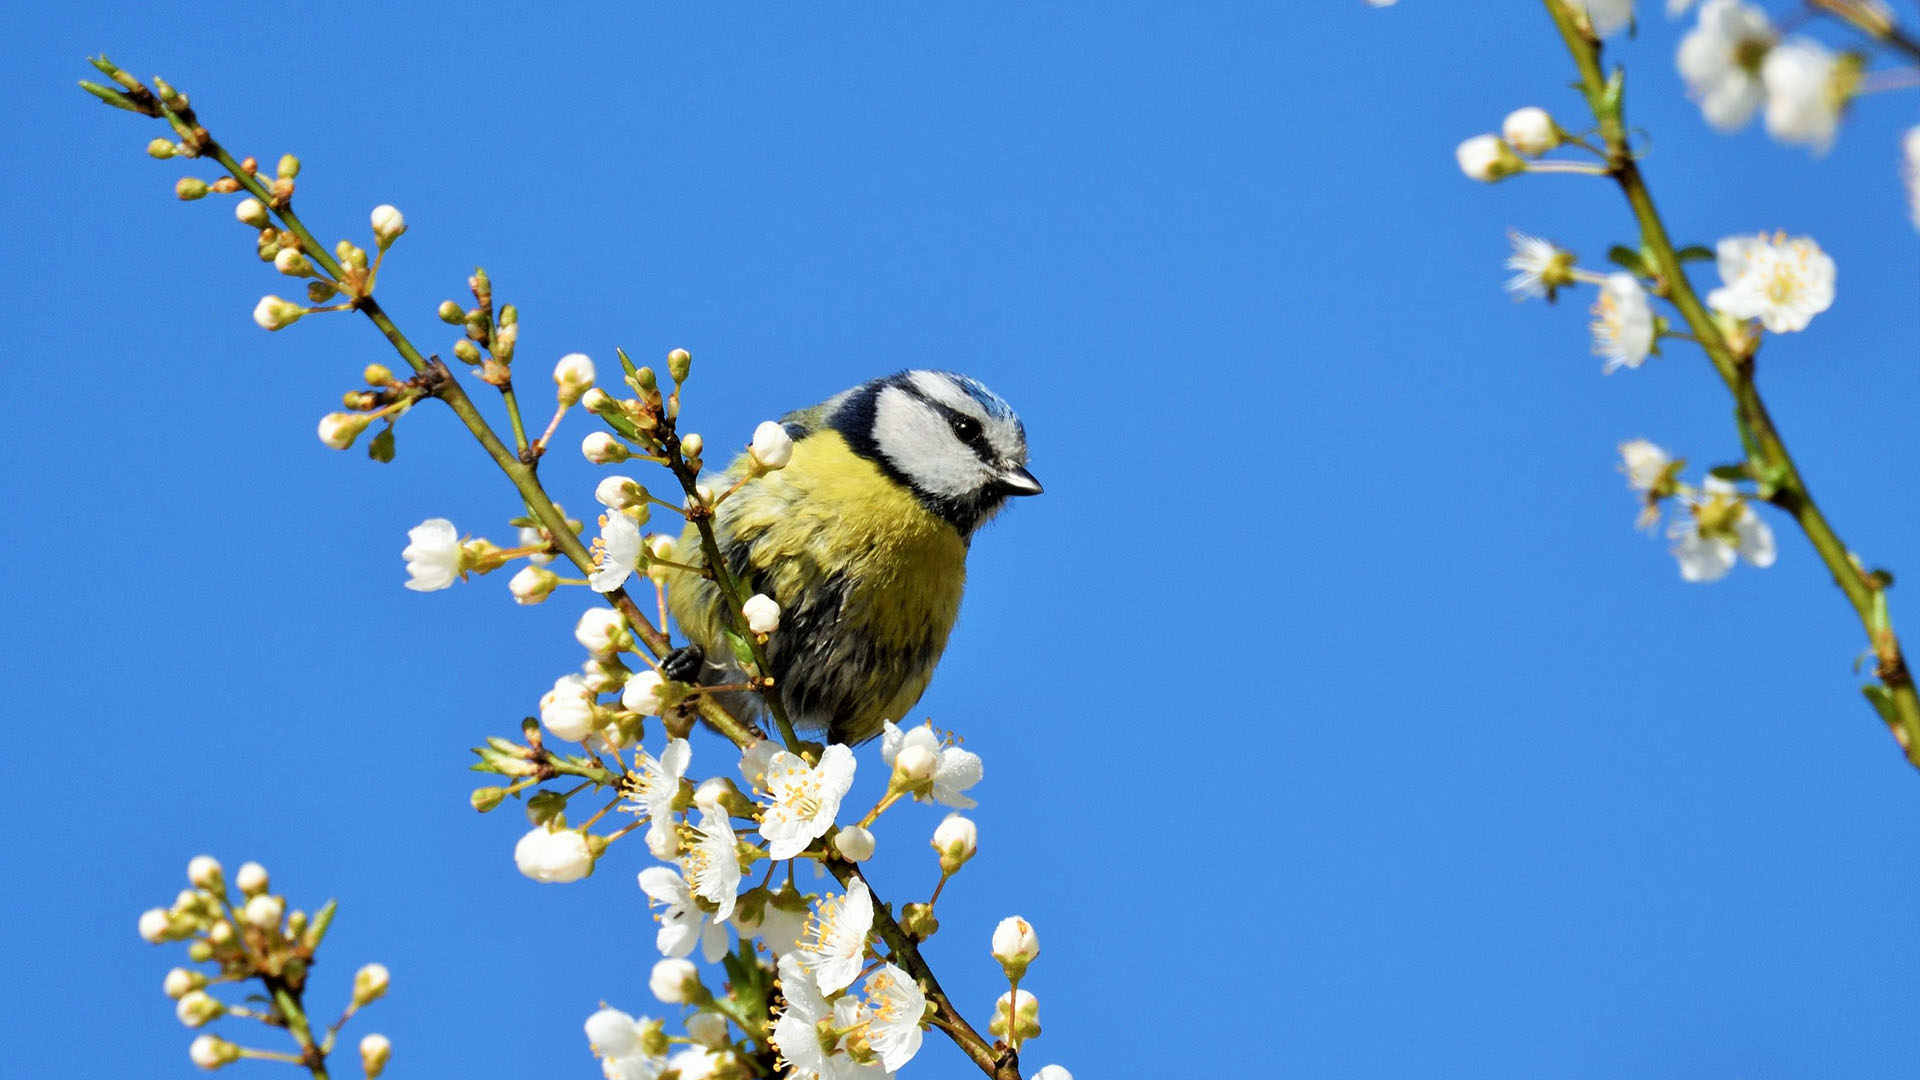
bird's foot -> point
(684, 664)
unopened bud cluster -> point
(242, 931)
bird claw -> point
(684, 664)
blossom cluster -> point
(253, 937)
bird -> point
(862, 540)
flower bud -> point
(220, 933)
(375, 1049)
(601, 631)
(855, 844)
(252, 212)
(388, 224)
(187, 189)
(466, 351)
(603, 449)
(451, 313)
(659, 547)
(1015, 945)
(643, 693)
(292, 263)
(263, 912)
(205, 873)
(321, 291)
(1488, 158)
(691, 444)
(620, 492)
(196, 1007)
(762, 614)
(955, 839)
(573, 375)
(913, 766)
(1052, 1072)
(212, 1051)
(721, 794)
(679, 364)
(288, 167)
(251, 879)
(708, 1030)
(273, 313)
(553, 857)
(1531, 131)
(156, 925)
(598, 401)
(504, 338)
(484, 799)
(162, 149)
(604, 674)
(532, 584)
(675, 981)
(613, 1034)
(772, 447)
(339, 429)
(1021, 1021)
(917, 920)
(567, 711)
(180, 981)
(370, 984)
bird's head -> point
(945, 436)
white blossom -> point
(762, 613)
(212, 1051)
(709, 1030)
(1803, 100)
(573, 374)
(783, 920)
(388, 223)
(642, 693)
(1910, 172)
(683, 923)
(834, 942)
(1720, 59)
(1055, 1072)
(612, 1033)
(772, 447)
(251, 211)
(601, 631)
(339, 429)
(1530, 130)
(263, 912)
(1622, 323)
(619, 492)
(532, 584)
(895, 1006)
(712, 863)
(1015, 944)
(567, 711)
(1644, 463)
(156, 925)
(1780, 281)
(854, 843)
(694, 1062)
(432, 554)
(273, 313)
(616, 553)
(956, 839)
(803, 799)
(654, 792)
(1606, 16)
(797, 1033)
(553, 856)
(251, 879)
(603, 449)
(1537, 264)
(1487, 158)
(674, 981)
(755, 760)
(531, 536)
(1720, 526)
(955, 770)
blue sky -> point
(1336, 720)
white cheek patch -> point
(917, 440)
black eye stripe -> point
(967, 429)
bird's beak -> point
(1018, 481)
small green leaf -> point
(1881, 699)
(1629, 260)
(544, 806)
(1733, 474)
(1694, 253)
(742, 651)
(381, 447)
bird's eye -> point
(966, 428)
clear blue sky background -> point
(1337, 722)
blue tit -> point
(862, 540)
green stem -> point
(1770, 457)
(287, 1000)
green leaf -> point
(1627, 259)
(545, 805)
(742, 651)
(1695, 253)
(1731, 473)
(381, 447)
(1881, 699)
